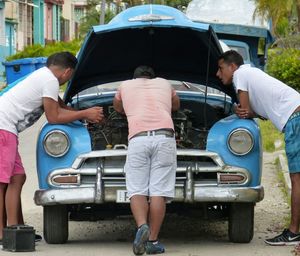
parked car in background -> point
(238, 23)
(80, 166)
(242, 48)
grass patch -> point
(283, 188)
(269, 135)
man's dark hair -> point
(144, 71)
(232, 57)
(62, 59)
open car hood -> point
(155, 35)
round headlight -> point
(240, 142)
(56, 143)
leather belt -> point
(166, 132)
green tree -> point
(174, 3)
(133, 2)
(281, 13)
(92, 17)
(298, 13)
(95, 8)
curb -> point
(285, 171)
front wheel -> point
(241, 222)
(56, 225)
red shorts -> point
(10, 160)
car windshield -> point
(242, 51)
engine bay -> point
(191, 122)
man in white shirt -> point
(20, 107)
(261, 95)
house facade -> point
(38, 22)
(73, 11)
(29, 22)
(53, 12)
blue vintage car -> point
(80, 166)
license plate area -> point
(122, 196)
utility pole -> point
(102, 12)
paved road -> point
(182, 236)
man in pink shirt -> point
(151, 159)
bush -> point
(284, 64)
(38, 50)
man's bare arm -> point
(118, 106)
(63, 105)
(55, 114)
(175, 103)
(243, 110)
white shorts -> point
(151, 166)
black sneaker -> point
(285, 238)
(140, 240)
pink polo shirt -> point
(147, 104)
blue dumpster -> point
(18, 68)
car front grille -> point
(200, 167)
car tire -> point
(241, 222)
(56, 225)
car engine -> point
(190, 123)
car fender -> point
(80, 142)
(217, 142)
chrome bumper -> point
(107, 169)
(199, 194)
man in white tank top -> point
(263, 96)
